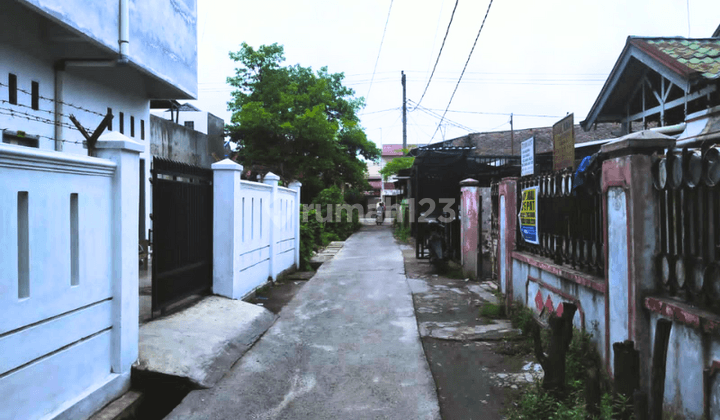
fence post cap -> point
(226, 165)
(469, 182)
(271, 177)
(640, 142)
(116, 140)
(295, 184)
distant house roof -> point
(395, 149)
(498, 142)
(688, 64)
(188, 107)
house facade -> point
(66, 342)
(384, 191)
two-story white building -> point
(78, 59)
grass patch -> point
(401, 233)
(582, 357)
(492, 310)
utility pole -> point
(404, 112)
(512, 137)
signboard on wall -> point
(528, 215)
(564, 143)
(527, 157)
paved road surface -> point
(346, 347)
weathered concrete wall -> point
(216, 136)
(176, 142)
(470, 227)
(688, 354)
(486, 209)
(626, 304)
(545, 287)
(617, 276)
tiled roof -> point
(685, 56)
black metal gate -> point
(182, 218)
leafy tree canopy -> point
(395, 165)
(297, 123)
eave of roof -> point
(643, 50)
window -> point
(142, 129)
(12, 89)
(20, 138)
(122, 123)
(132, 126)
(109, 111)
(190, 124)
(35, 95)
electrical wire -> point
(500, 113)
(379, 50)
(466, 64)
(438, 116)
(377, 112)
(447, 31)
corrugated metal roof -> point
(685, 56)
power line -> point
(466, 64)
(500, 113)
(447, 31)
(377, 112)
(436, 115)
(379, 50)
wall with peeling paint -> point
(470, 228)
(625, 304)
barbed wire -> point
(78, 107)
(42, 136)
(31, 117)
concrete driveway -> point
(346, 347)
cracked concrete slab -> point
(202, 342)
(346, 347)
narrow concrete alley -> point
(346, 347)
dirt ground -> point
(475, 376)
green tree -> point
(297, 123)
(395, 165)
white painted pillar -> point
(227, 225)
(272, 180)
(126, 199)
(296, 186)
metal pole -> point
(512, 136)
(404, 116)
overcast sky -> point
(536, 59)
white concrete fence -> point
(256, 230)
(68, 278)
